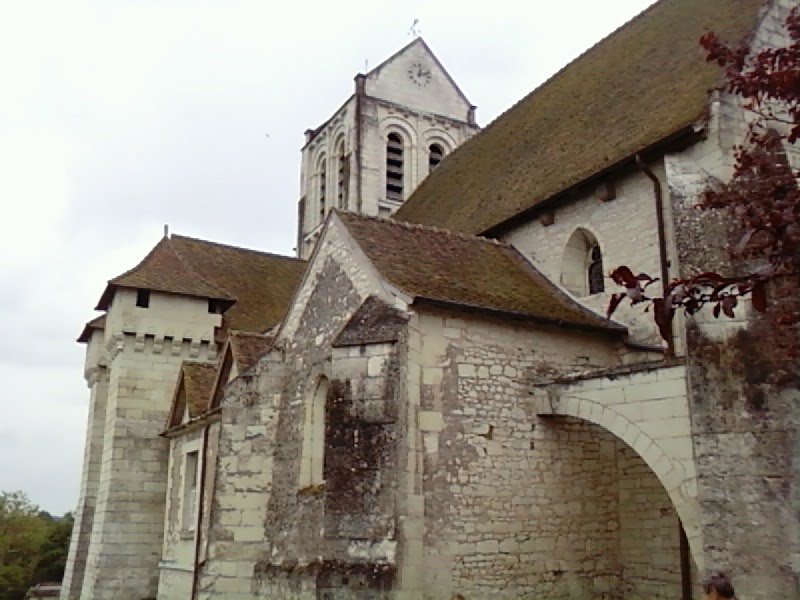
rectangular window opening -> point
(143, 298)
(190, 491)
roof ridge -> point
(237, 248)
(242, 332)
(418, 226)
(197, 363)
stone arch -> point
(441, 137)
(582, 264)
(679, 485)
(394, 125)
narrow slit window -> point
(435, 156)
(394, 167)
(323, 175)
(342, 180)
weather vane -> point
(413, 31)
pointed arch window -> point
(435, 156)
(394, 167)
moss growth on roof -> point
(247, 347)
(642, 84)
(258, 284)
(468, 271)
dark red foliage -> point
(762, 195)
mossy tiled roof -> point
(464, 270)
(195, 383)
(259, 285)
(247, 347)
(642, 84)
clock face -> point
(419, 74)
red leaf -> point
(663, 318)
(759, 297)
(716, 311)
(624, 276)
(614, 303)
(728, 304)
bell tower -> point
(404, 117)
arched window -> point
(343, 176)
(435, 156)
(595, 271)
(322, 177)
(313, 454)
(582, 265)
(394, 167)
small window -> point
(214, 306)
(596, 284)
(143, 298)
(323, 175)
(435, 156)
(582, 265)
(394, 167)
(190, 491)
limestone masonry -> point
(428, 404)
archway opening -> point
(612, 530)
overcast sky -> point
(117, 117)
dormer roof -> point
(193, 392)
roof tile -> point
(259, 284)
(468, 271)
(642, 84)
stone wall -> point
(271, 534)
(180, 537)
(624, 228)
(744, 420)
(388, 103)
(513, 503)
(90, 479)
(143, 349)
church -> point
(428, 403)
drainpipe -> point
(199, 518)
(662, 237)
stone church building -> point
(428, 403)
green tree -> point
(53, 554)
(22, 535)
